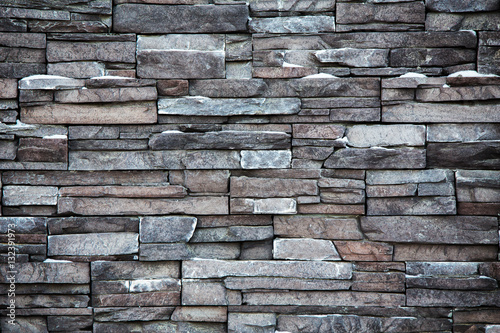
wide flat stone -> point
(407, 12)
(479, 155)
(304, 249)
(167, 191)
(29, 195)
(412, 206)
(391, 177)
(463, 132)
(316, 227)
(431, 252)
(250, 322)
(167, 229)
(201, 314)
(377, 158)
(364, 251)
(133, 270)
(354, 57)
(93, 244)
(49, 82)
(431, 57)
(249, 283)
(227, 88)
(127, 94)
(112, 51)
(265, 159)
(50, 272)
(187, 251)
(232, 234)
(293, 24)
(181, 18)
(459, 298)
(450, 6)
(271, 187)
(119, 314)
(386, 135)
(81, 225)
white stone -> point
(275, 206)
(29, 195)
(266, 159)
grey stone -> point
(238, 47)
(239, 70)
(202, 314)
(108, 145)
(160, 326)
(211, 181)
(265, 159)
(377, 158)
(49, 82)
(21, 55)
(220, 140)
(167, 229)
(242, 268)
(408, 177)
(382, 27)
(428, 229)
(29, 40)
(354, 57)
(313, 153)
(79, 69)
(474, 283)
(192, 42)
(204, 106)
(37, 14)
(386, 135)
(232, 234)
(441, 113)
(13, 25)
(31, 324)
(8, 88)
(327, 227)
(93, 244)
(89, 6)
(464, 155)
(260, 250)
(163, 298)
(431, 57)
(127, 94)
(440, 189)
(29, 195)
(181, 18)
(342, 183)
(486, 62)
(132, 314)
(442, 268)
(403, 190)
(291, 5)
(251, 322)
(133, 270)
(126, 206)
(275, 206)
(91, 51)
(349, 13)
(81, 225)
(317, 131)
(249, 283)
(23, 225)
(8, 150)
(50, 272)
(411, 206)
(200, 292)
(183, 251)
(459, 298)
(446, 94)
(227, 88)
(304, 249)
(462, 132)
(271, 187)
(343, 196)
(293, 24)
(462, 6)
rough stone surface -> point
(386, 135)
(377, 158)
(304, 249)
(93, 244)
(316, 227)
(265, 159)
(29, 195)
(354, 57)
(169, 229)
(411, 206)
(301, 24)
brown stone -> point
(233, 220)
(78, 51)
(126, 94)
(139, 299)
(8, 88)
(364, 251)
(431, 252)
(474, 208)
(172, 87)
(489, 316)
(403, 190)
(411, 206)
(348, 13)
(377, 158)
(42, 150)
(37, 272)
(203, 314)
(477, 155)
(332, 209)
(455, 298)
(384, 282)
(168, 191)
(308, 131)
(271, 187)
(373, 266)
(80, 225)
(206, 181)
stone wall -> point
(205, 166)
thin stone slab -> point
(179, 19)
(407, 177)
(112, 51)
(449, 6)
(354, 57)
(293, 269)
(93, 244)
(429, 229)
(377, 158)
(133, 270)
(275, 206)
(455, 298)
(249, 283)
(200, 314)
(130, 314)
(77, 69)
(430, 252)
(463, 132)
(294, 24)
(386, 135)
(186, 251)
(291, 5)
(29, 195)
(167, 229)
(127, 113)
(250, 322)
(406, 12)
(81, 225)
(227, 88)
(127, 94)
(304, 249)
(204, 106)
(411, 206)
(29, 40)
(23, 225)
(87, 6)
(265, 159)
(479, 155)
(447, 94)
(50, 272)
(124, 191)
(431, 57)
(271, 187)
(49, 82)
(316, 227)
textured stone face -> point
(170, 229)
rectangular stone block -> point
(232, 234)
(28, 40)
(386, 135)
(206, 181)
(317, 131)
(433, 297)
(24, 225)
(249, 283)
(50, 272)
(112, 51)
(81, 225)
(384, 282)
(342, 196)
(47, 149)
(316, 227)
(124, 206)
(454, 283)
(168, 229)
(126, 94)
(199, 292)
(265, 159)
(271, 187)
(203, 269)
(431, 57)
(204, 106)
(250, 322)
(408, 177)
(8, 150)
(441, 113)
(446, 94)
(8, 88)
(404, 190)
(304, 249)
(464, 155)
(364, 251)
(104, 244)
(463, 132)
(411, 12)
(186, 251)
(291, 5)
(77, 69)
(450, 6)
(275, 206)
(133, 270)
(129, 314)
(332, 209)
(411, 206)
(201, 314)
(168, 191)
(377, 158)
(108, 145)
(140, 299)
(354, 57)
(429, 252)
(181, 18)
(233, 220)
(127, 113)
(438, 189)
(29, 195)
(293, 24)
(431, 229)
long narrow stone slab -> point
(411, 206)
(377, 158)
(271, 187)
(392, 177)
(125, 206)
(477, 155)
(126, 94)
(386, 135)
(53, 272)
(295, 269)
(126, 113)
(133, 270)
(204, 106)
(93, 244)
(294, 24)
(124, 191)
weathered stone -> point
(404, 190)
(215, 314)
(181, 18)
(260, 250)
(317, 131)
(49, 82)
(325, 298)
(341, 183)
(384, 282)
(8, 88)
(243, 268)
(238, 47)
(93, 244)
(411, 252)
(159, 326)
(479, 315)
(220, 140)
(29, 40)
(304, 249)
(487, 61)
(183, 251)
(466, 208)
(206, 181)
(101, 24)
(133, 270)
(431, 297)
(8, 150)
(431, 57)
(377, 158)
(132, 314)
(129, 113)
(125, 206)
(316, 227)
(470, 283)
(239, 70)
(463, 132)
(290, 5)
(172, 87)
(464, 155)
(477, 186)
(445, 268)
(91, 51)
(232, 234)
(386, 135)
(13, 25)
(293, 24)
(446, 94)
(140, 299)
(199, 292)
(408, 177)
(428, 229)
(398, 94)
(343, 196)
(364, 251)
(251, 322)
(167, 229)
(411, 12)
(21, 55)
(271, 187)
(283, 72)
(106, 95)
(58, 323)
(23, 225)
(275, 206)
(265, 159)
(461, 6)
(30, 324)
(36, 96)
(69, 178)
(233, 220)
(347, 322)
(313, 153)
(354, 57)
(249, 283)
(80, 225)
(332, 209)
(228, 88)
(29, 195)
(50, 272)
(439, 189)
(108, 145)
(88, 6)
(48, 149)
(78, 69)
(204, 106)
(411, 206)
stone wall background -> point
(222, 166)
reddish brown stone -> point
(332, 209)
(386, 282)
(168, 191)
(172, 87)
(42, 150)
(371, 266)
(364, 251)
(474, 208)
(435, 252)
